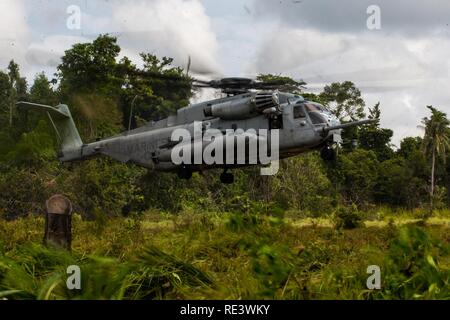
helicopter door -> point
(301, 130)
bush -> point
(302, 184)
(22, 192)
(413, 270)
(102, 185)
(347, 217)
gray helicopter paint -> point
(150, 145)
(144, 145)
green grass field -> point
(229, 256)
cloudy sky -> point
(405, 64)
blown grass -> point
(208, 255)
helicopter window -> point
(298, 112)
(316, 118)
(313, 107)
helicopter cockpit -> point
(318, 114)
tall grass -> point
(250, 255)
(37, 272)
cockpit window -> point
(316, 118)
(314, 107)
(315, 112)
(298, 112)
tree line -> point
(100, 89)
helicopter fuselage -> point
(302, 127)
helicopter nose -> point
(333, 121)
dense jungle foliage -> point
(283, 236)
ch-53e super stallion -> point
(250, 106)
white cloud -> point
(173, 28)
(408, 17)
(286, 49)
(405, 71)
(48, 53)
(14, 31)
(403, 74)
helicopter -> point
(301, 126)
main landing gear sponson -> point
(328, 153)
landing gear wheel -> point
(185, 173)
(227, 178)
(328, 154)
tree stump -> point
(58, 222)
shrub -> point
(347, 217)
(22, 192)
(413, 270)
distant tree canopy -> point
(372, 137)
(90, 67)
(436, 143)
(345, 100)
(42, 91)
(101, 90)
(285, 83)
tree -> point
(396, 183)
(409, 146)
(42, 92)
(357, 174)
(302, 184)
(15, 90)
(18, 83)
(285, 83)
(345, 100)
(313, 97)
(156, 91)
(102, 90)
(89, 84)
(5, 96)
(411, 150)
(372, 137)
(436, 141)
(90, 67)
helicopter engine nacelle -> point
(244, 108)
(231, 110)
